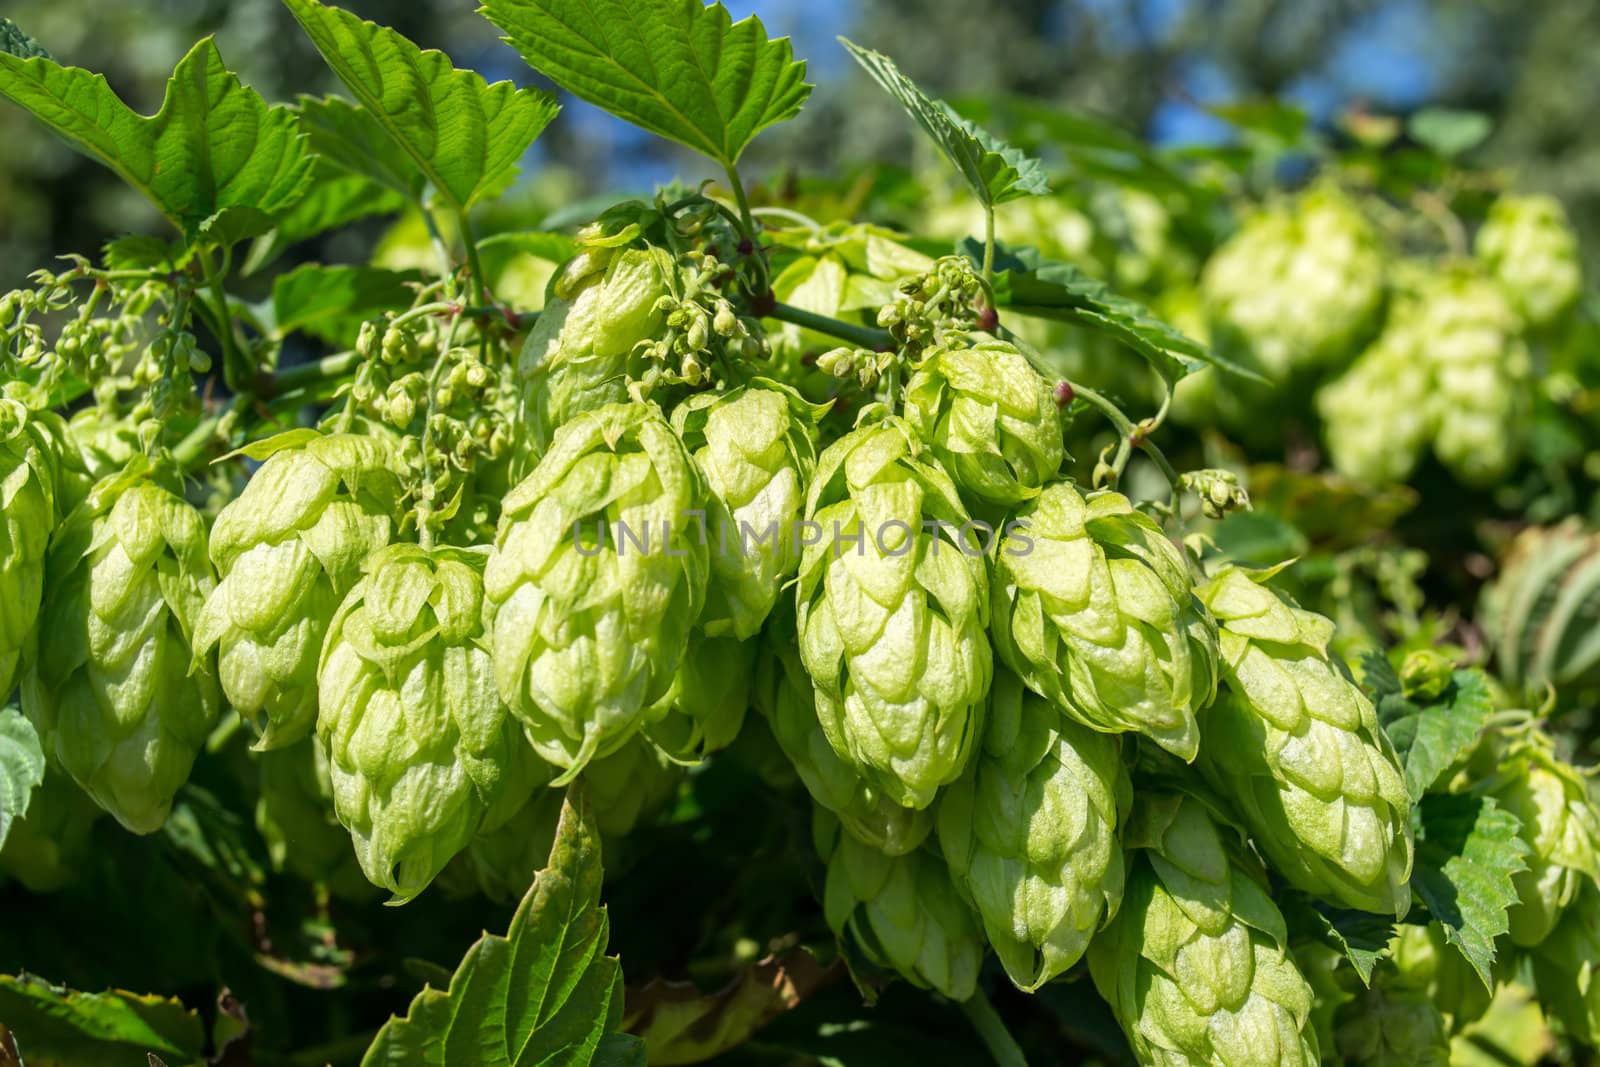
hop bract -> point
(596, 577)
(1394, 1023)
(1530, 248)
(902, 911)
(1296, 745)
(706, 703)
(1196, 965)
(1377, 418)
(891, 607)
(288, 548)
(990, 418)
(117, 696)
(756, 446)
(295, 816)
(31, 501)
(419, 743)
(1299, 284)
(1030, 831)
(1092, 609)
(784, 694)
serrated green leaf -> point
(331, 302)
(17, 43)
(619, 1050)
(336, 198)
(996, 171)
(1430, 738)
(1467, 851)
(351, 137)
(21, 767)
(462, 133)
(215, 144)
(53, 1025)
(545, 993)
(1362, 937)
(680, 69)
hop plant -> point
(756, 447)
(1566, 968)
(784, 695)
(596, 578)
(1093, 610)
(1393, 1023)
(294, 814)
(891, 610)
(419, 743)
(991, 420)
(1529, 246)
(1377, 419)
(1196, 966)
(118, 699)
(706, 703)
(1297, 746)
(1030, 832)
(629, 786)
(500, 863)
(903, 912)
(31, 498)
(1423, 958)
(289, 548)
(1299, 284)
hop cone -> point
(784, 695)
(1196, 965)
(989, 417)
(1395, 1023)
(892, 625)
(1093, 610)
(903, 912)
(596, 577)
(629, 786)
(576, 358)
(1480, 369)
(294, 813)
(288, 548)
(1376, 418)
(705, 706)
(1531, 249)
(756, 447)
(501, 863)
(118, 699)
(1296, 745)
(1299, 285)
(1030, 831)
(1561, 827)
(419, 743)
(1566, 968)
(30, 506)
(1424, 959)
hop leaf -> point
(1296, 745)
(117, 697)
(891, 614)
(1030, 831)
(1093, 610)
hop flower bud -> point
(289, 548)
(596, 579)
(892, 615)
(419, 743)
(989, 417)
(1296, 745)
(115, 693)
(1030, 831)
(1093, 610)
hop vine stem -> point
(992, 1030)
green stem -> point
(187, 453)
(996, 1038)
(988, 246)
(863, 336)
(334, 366)
(446, 267)
(747, 221)
(236, 369)
(1493, 1051)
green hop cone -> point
(1195, 966)
(288, 548)
(295, 816)
(706, 703)
(1296, 746)
(419, 743)
(1395, 1023)
(756, 446)
(1299, 285)
(596, 577)
(1030, 831)
(1480, 371)
(577, 356)
(903, 912)
(31, 457)
(784, 695)
(629, 786)
(1550, 798)
(891, 612)
(1566, 968)
(989, 417)
(1377, 418)
(118, 698)
(1531, 249)
(500, 863)
(1093, 610)
(1424, 959)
